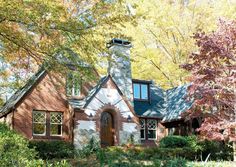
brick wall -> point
(47, 95)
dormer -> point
(141, 90)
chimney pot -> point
(121, 42)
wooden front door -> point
(107, 138)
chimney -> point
(119, 66)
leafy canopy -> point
(163, 40)
(213, 81)
(33, 31)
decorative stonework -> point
(120, 70)
(129, 137)
(108, 96)
(118, 102)
(84, 132)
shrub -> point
(41, 163)
(173, 142)
(14, 149)
(176, 162)
(191, 148)
(92, 147)
(217, 150)
(53, 149)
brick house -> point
(114, 111)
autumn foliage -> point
(213, 78)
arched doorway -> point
(106, 131)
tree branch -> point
(155, 65)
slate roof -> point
(153, 108)
(16, 97)
(176, 103)
(166, 105)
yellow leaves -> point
(164, 35)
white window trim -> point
(56, 124)
(45, 123)
(143, 129)
(152, 129)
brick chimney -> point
(120, 66)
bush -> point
(53, 149)
(173, 142)
(41, 163)
(92, 147)
(191, 148)
(14, 149)
(176, 162)
(217, 150)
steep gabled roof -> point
(176, 103)
(75, 103)
(18, 95)
(166, 105)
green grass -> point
(212, 164)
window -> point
(142, 129)
(152, 128)
(148, 129)
(47, 123)
(140, 91)
(55, 123)
(73, 85)
(39, 123)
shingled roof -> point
(176, 103)
(18, 95)
(155, 107)
(166, 105)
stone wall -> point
(84, 136)
(129, 137)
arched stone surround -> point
(109, 99)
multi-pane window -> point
(73, 85)
(142, 129)
(47, 123)
(55, 123)
(39, 123)
(152, 129)
(140, 91)
(148, 129)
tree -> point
(33, 31)
(162, 40)
(213, 78)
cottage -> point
(115, 110)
